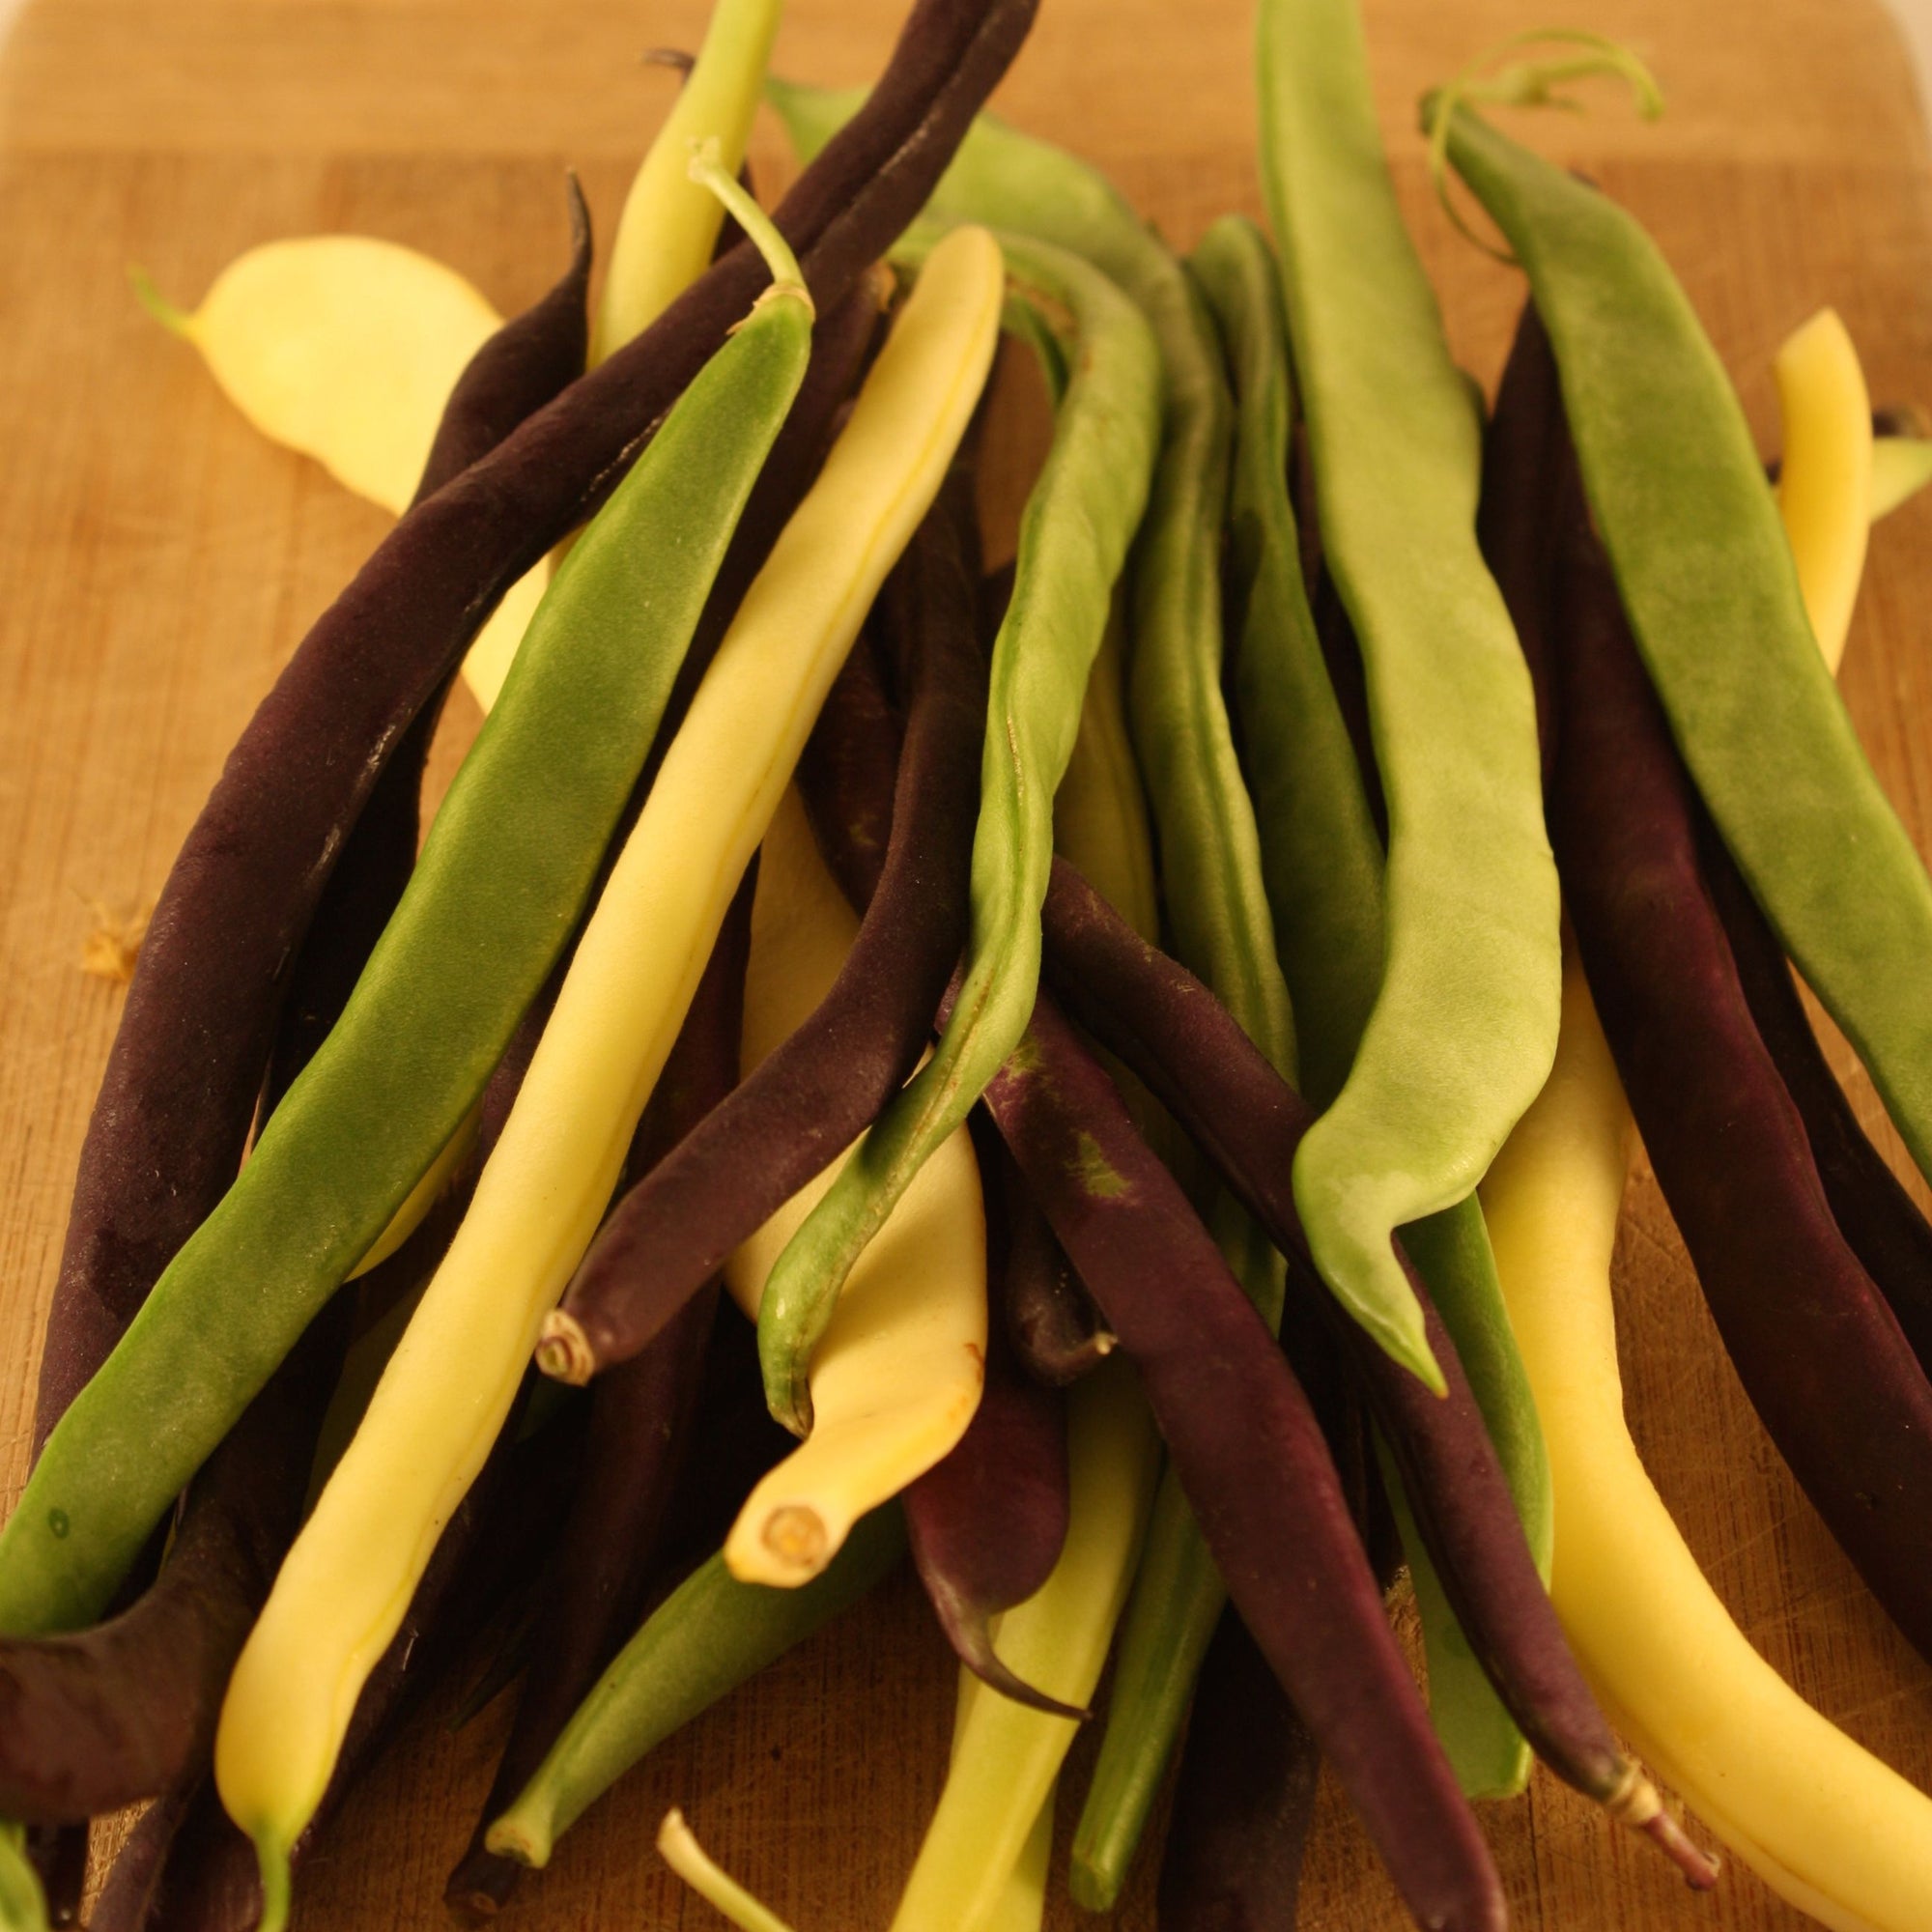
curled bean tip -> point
(563, 1349)
(707, 169)
(788, 1394)
(972, 1640)
(1532, 83)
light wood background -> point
(157, 563)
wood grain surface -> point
(158, 562)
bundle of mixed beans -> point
(1069, 1009)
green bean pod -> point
(1325, 866)
(1706, 581)
(493, 899)
(1463, 1025)
(1005, 1756)
(706, 1638)
(1210, 847)
(1210, 857)
(1073, 542)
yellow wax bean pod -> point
(669, 225)
(1821, 1820)
(1901, 466)
(442, 1399)
(345, 347)
(1824, 486)
(898, 1376)
(1056, 1640)
(1100, 814)
(342, 347)
(1824, 1823)
(1022, 1902)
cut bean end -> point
(515, 1835)
(795, 1535)
(563, 1349)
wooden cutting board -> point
(158, 562)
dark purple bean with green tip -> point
(812, 1098)
(1153, 1013)
(986, 1523)
(641, 1416)
(195, 1032)
(1876, 1215)
(1242, 1801)
(1251, 1456)
(179, 1094)
(1819, 1353)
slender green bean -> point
(1016, 183)
(993, 1778)
(1463, 1025)
(498, 887)
(1073, 542)
(1706, 576)
(706, 1638)
(1325, 865)
(1211, 855)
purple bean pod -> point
(1242, 1801)
(819, 1090)
(1819, 1351)
(196, 1029)
(1251, 1456)
(1051, 1323)
(1877, 1216)
(986, 1523)
(1248, 1120)
(200, 1024)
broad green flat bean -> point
(493, 899)
(1707, 579)
(1464, 1024)
(1325, 866)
